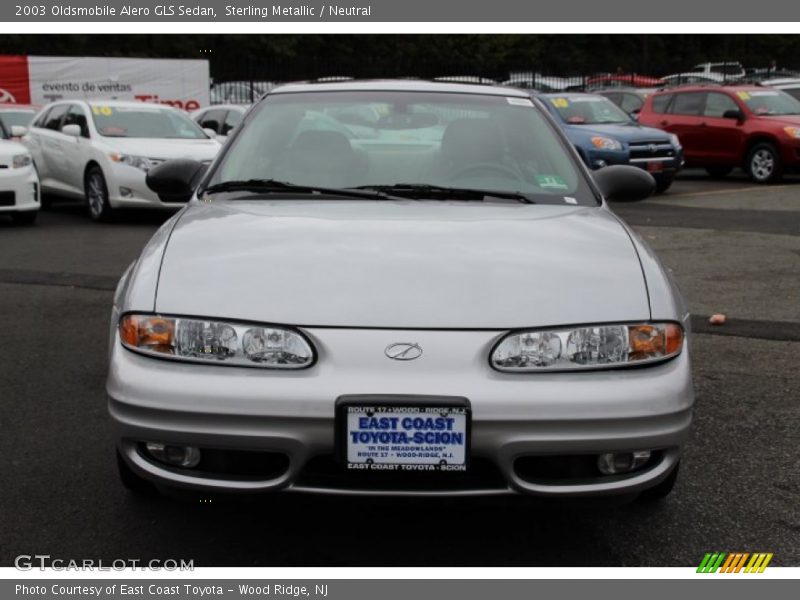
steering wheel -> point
(486, 168)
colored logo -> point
(734, 562)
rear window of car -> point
(661, 102)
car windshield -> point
(588, 110)
(12, 118)
(770, 102)
(144, 122)
(406, 140)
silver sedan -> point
(399, 288)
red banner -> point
(14, 80)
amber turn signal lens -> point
(674, 335)
(139, 331)
(646, 340)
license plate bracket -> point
(403, 433)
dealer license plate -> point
(413, 437)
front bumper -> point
(668, 167)
(292, 414)
(19, 190)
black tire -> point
(132, 482)
(96, 193)
(27, 217)
(764, 163)
(662, 185)
(663, 489)
(719, 172)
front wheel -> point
(764, 163)
(27, 217)
(96, 192)
(662, 185)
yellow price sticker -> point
(743, 95)
(560, 102)
(102, 110)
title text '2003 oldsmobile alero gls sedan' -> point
(398, 288)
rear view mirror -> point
(175, 180)
(622, 183)
(733, 113)
(71, 130)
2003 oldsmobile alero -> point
(399, 288)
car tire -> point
(27, 217)
(719, 172)
(662, 185)
(662, 489)
(764, 163)
(131, 481)
(96, 193)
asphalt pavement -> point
(733, 248)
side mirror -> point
(733, 113)
(18, 131)
(622, 183)
(210, 133)
(71, 130)
(175, 180)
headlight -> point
(587, 347)
(21, 160)
(675, 140)
(219, 342)
(604, 143)
(137, 162)
(792, 131)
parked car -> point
(603, 134)
(721, 128)
(728, 71)
(537, 81)
(19, 183)
(691, 78)
(101, 150)
(17, 115)
(448, 306)
(630, 100)
(220, 118)
(621, 80)
(790, 85)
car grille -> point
(651, 151)
(8, 199)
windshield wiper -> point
(276, 186)
(427, 190)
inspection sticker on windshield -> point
(385, 437)
(553, 182)
(520, 101)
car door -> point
(723, 138)
(50, 141)
(685, 119)
(77, 150)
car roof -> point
(401, 85)
(30, 107)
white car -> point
(19, 184)
(729, 71)
(220, 118)
(101, 150)
(692, 78)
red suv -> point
(723, 127)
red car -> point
(623, 80)
(724, 127)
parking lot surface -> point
(733, 247)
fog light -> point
(126, 192)
(177, 456)
(624, 462)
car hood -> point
(164, 149)
(624, 133)
(401, 264)
(8, 149)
